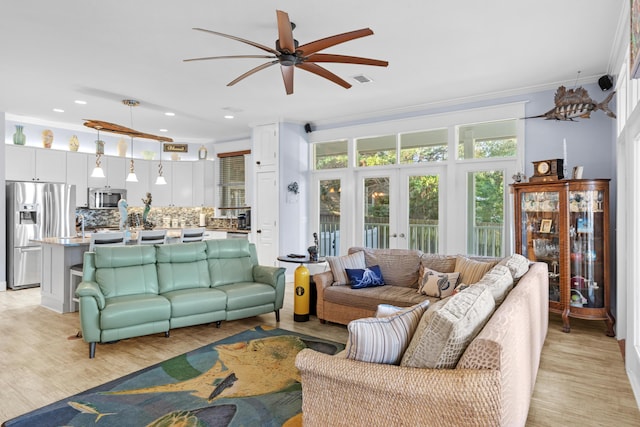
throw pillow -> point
(436, 284)
(471, 270)
(338, 264)
(364, 278)
(517, 264)
(383, 340)
(445, 332)
(386, 310)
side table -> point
(302, 299)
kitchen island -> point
(60, 253)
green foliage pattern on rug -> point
(248, 379)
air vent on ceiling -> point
(361, 78)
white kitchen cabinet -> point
(77, 174)
(35, 164)
(137, 191)
(214, 234)
(198, 182)
(115, 170)
(162, 193)
(210, 183)
(182, 183)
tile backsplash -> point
(190, 216)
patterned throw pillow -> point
(517, 264)
(499, 281)
(446, 330)
(471, 271)
(436, 284)
(364, 278)
(383, 340)
(338, 264)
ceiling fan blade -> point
(252, 71)
(323, 72)
(249, 42)
(326, 57)
(227, 57)
(318, 45)
(285, 33)
(287, 77)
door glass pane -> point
(423, 213)
(376, 151)
(376, 212)
(487, 140)
(425, 146)
(329, 234)
(486, 213)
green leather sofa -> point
(129, 291)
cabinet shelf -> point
(576, 247)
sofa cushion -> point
(181, 252)
(131, 280)
(399, 267)
(384, 339)
(124, 256)
(499, 281)
(365, 278)
(369, 298)
(517, 264)
(443, 263)
(437, 284)
(471, 270)
(445, 332)
(247, 294)
(339, 264)
(187, 302)
(133, 310)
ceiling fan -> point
(289, 54)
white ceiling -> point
(55, 52)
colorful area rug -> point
(248, 379)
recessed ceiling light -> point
(58, 110)
(164, 130)
(169, 113)
(228, 116)
(78, 101)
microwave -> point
(105, 198)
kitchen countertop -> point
(79, 241)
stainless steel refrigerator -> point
(35, 210)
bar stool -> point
(192, 234)
(152, 237)
(110, 238)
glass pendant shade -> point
(132, 177)
(97, 172)
(160, 180)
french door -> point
(399, 208)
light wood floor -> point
(581, 380)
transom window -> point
(487, 140)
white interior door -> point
(266, 216)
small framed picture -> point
(545, 226)
(583, 225)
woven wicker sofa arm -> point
(345, 392)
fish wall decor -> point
(575, 103)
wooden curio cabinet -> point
(566, 225)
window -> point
(231, 180)
(331, 155)
(376, 151)
(487, 140)
(425, 146)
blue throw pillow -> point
(370, 276)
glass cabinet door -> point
(586, 228)
(540, 231)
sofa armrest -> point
(267, 274)
(91, 289)
(342, 392)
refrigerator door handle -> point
(30, 249)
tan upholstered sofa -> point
(491, 384)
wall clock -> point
(547, 170)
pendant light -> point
(160, 179)
(132, 174)
(97, 171)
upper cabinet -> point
(77, 173)
(34, 164)
(265, 146)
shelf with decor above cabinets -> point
(565, 224)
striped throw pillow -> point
(471, 271)
(384, 339)
(339, 264)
